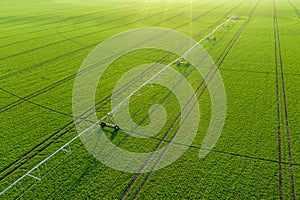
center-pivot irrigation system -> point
(103, 121)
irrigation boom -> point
(63, 148)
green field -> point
(44, 43)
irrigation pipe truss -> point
(63, 148)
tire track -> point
(156, 24)
(59, 21)
(295, 9)
(220, 60)
(44, 14)
(280, 77)
(100, 31)
(52, 86)
(81, 22)
(68, 78)
(278, 114)
(35, 20)
(83, 35)
(55, 58)
(34, 103)
(259, 72)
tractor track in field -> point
(43, 24)
(60, 57)
(55, 22)
(28, 22)
(34, 103)
(83, 35)
(167, 19)
(220, 60)
(60, 22)
(68, 78)
(295, 9)
(28, 98)
(58, 12)
(278, 117)
(281, 94)
(158, 23)
(37, 25)
(68, 128)
(45, 14)
(38, 15)
(52, 22)
(258, 72)
(44, 19)
(106, 29)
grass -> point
(43, 44)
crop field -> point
(254, 47)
